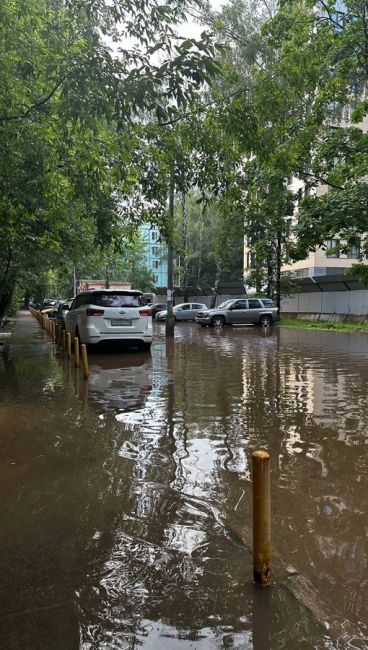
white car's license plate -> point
(121, 321)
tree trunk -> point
(107, 279)
(170, 321)
(270, 276)
(199, 268)
(6, 297)
(278, 269)
(217, 284)
(185, 246)
(7, 287)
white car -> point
(185, 311)
(110, 315)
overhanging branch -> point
(33, 107)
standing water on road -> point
(126, 501)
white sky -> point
(193, 29)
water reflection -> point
(125, 510)
(120, 381)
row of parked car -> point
(109, 315)
(105, 315)
(238, 311)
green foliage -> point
(359, 270)
(215, 239)
(69, 124)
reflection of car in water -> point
(120, 382)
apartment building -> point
(156, 253)
(329, 259)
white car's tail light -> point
(94, 312)
(145, 312)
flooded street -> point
(126, 500)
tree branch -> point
(33, 107)
(335, 22)
(213, 102)
(319, 179)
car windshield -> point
(118, 299)
(224, 304)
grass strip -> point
(347, 326)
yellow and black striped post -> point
(69, 345)
(262, 548)
(83, 350)
(76, 351)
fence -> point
(336, 297)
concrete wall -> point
(344, 303)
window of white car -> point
(182, 307)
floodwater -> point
(125, 501)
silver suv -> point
(241, 311)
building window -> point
(288, 227)
(333, 248)
(155, 278)
(153, 235)
(155, 250)
(353, 252)
(155, 264)
(251, 260)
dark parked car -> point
(62, 312)
(242, 311)
(160, 306)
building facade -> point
(155, 252)
(329, 259)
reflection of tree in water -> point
(109, 512)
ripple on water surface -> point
(142, 481)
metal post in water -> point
(83, 350)
(76, 351)
(262, 547)
(69, 344)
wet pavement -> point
(126, 500)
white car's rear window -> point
(118, 300)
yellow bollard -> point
(262, 548)
(76, 351)
(69, 344)
(64, 339)
(83, 350)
